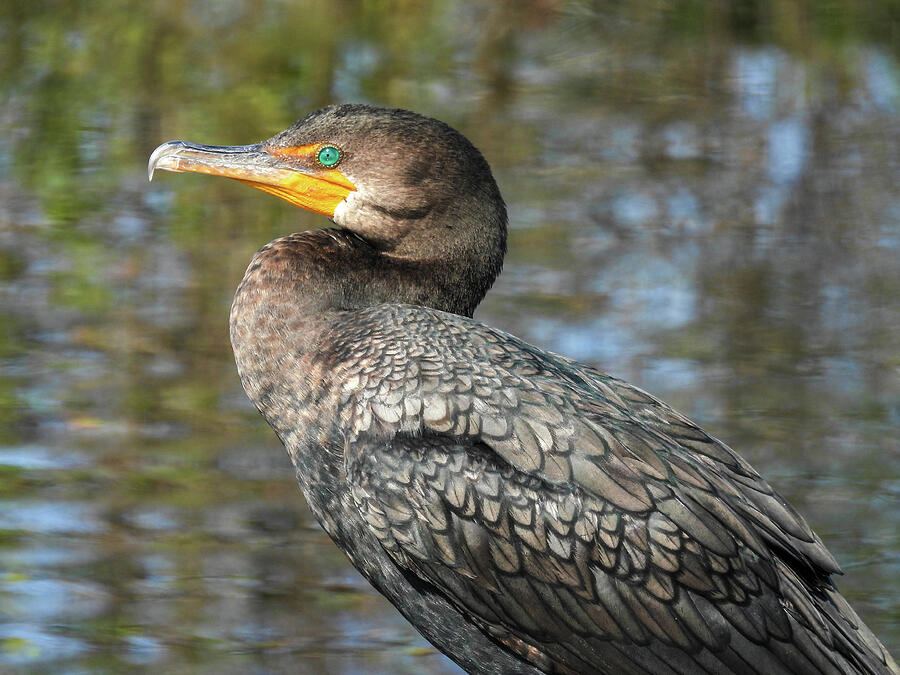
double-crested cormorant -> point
(525, 512)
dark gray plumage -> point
(527, 513)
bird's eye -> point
(329, 156)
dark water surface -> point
(704, 200)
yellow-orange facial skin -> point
(289, 173)
(320, 192)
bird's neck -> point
(295, 286)
(295, 280)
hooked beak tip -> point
(164, 157)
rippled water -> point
(703, 200)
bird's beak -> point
(278, 172)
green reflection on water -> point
(703, 200)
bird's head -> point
(406, 183)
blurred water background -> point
(704, 200)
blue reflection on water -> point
(25, 643)
(882, 80)
(46, 599)
(47, 517)
(788, 147)
(755, 77)
(36, 458)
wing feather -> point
(564, 509)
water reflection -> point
(703, 201)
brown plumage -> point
(526, 512)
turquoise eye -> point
(329, 156)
